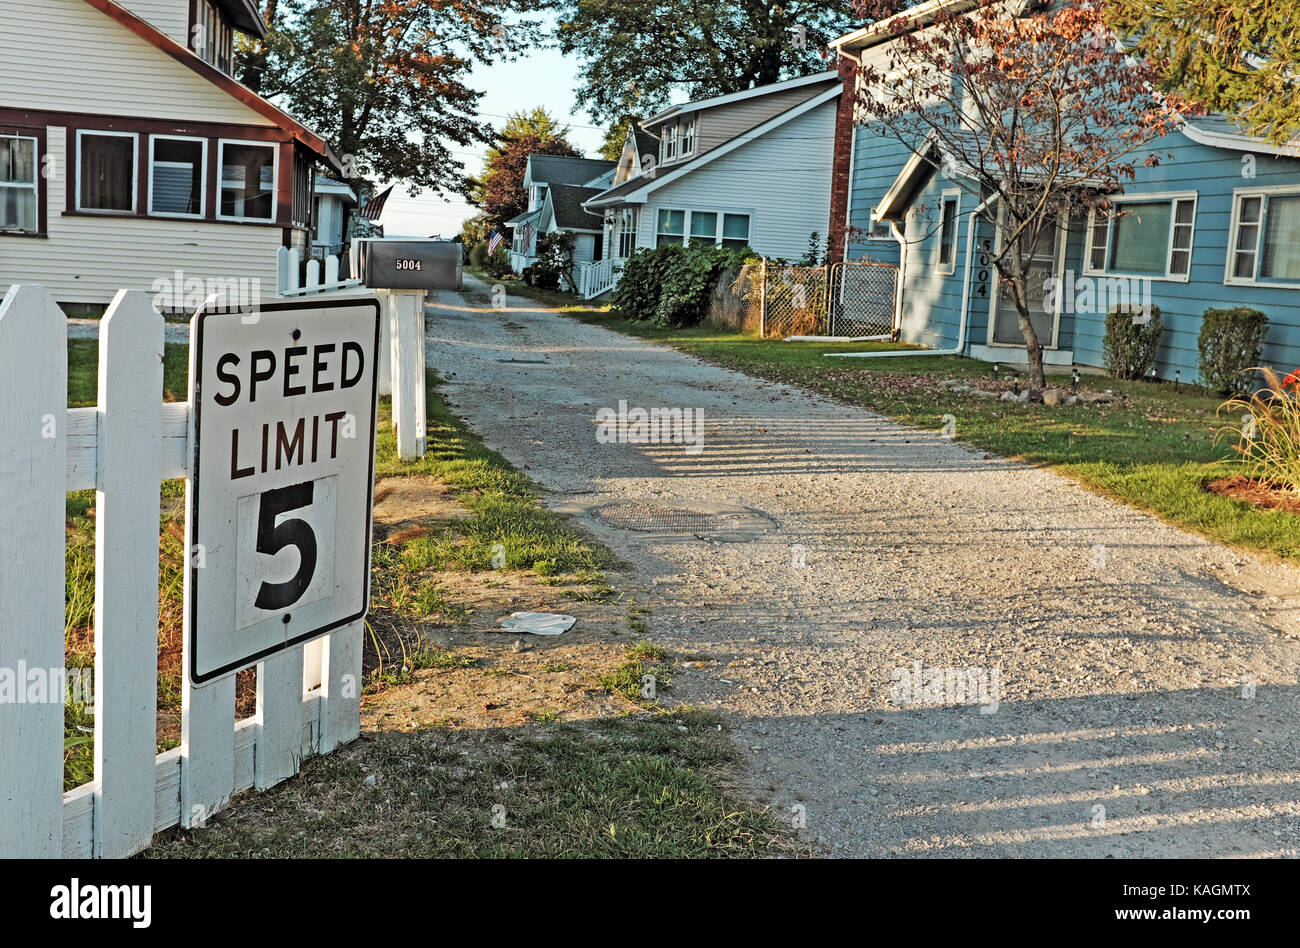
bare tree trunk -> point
(1019, 294)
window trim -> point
(37, 136)
(275, 181)
(1264, 193)
(203, 189)
(721, 225)
(1173, 197)
(683, 138)
(670, 144)
(949, 268)
(135, 173)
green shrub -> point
(672, 285)
(498, 264)
(1129, 349)
(554, 262)
(478, 256)
(1231, 343)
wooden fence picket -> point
(279, 718)
(129, 451)
(33, 430)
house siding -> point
(781, 179)
(721, 123)
(87, 259)
(170, 16)
(66, 56)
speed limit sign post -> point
(281, 483)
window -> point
(878, 230)
(1151, 236)
(735, 231)
(704, 229)
(177, 171)
(106, 170)
(672, 226)
(670, 143)
(19, 185)
(688, 138)
(248, 181)
(211, 36)
(948, 232)
(1265, 244)
(628, 221)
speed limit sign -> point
(281, 478)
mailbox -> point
(395, 264)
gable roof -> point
(566, 206)
(1224, 131)
(525, 216)
(641, 186)
(557, 169)
(644, 141)
(230, 86)
(243, 14)
(687, 107)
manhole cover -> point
(653, 518)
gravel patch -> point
(1146, 679)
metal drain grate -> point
(649, 518)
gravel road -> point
(1146, 679)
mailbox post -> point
(402, 272)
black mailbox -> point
(409, 264)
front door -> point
(1044, 265)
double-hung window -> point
(177, 172)
(627, 232)
(670, 143)
(688, 137)
(248, 181)
(1147, 236)
(19, 185)
(107, 163)
(1265, 240)
(672, 225)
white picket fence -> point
(308, 698)
(321, 276)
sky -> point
(543, 77)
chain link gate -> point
(843, 300)
(861, 300)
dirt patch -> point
(1254, 492)
(400, 500)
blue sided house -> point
(1215, 224)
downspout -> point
(965, 298)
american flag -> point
(527, 235)
(494, 243)
(375, 206)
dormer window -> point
(670, 143)
(211, 36)
(688, 137)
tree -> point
(500, 190)
(616, 135)
(1040, 116)
(1238, 56)
(383, 80)
(637, 53)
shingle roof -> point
(646, 144)
(555, 169)
(566, 203)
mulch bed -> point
(1253, 492)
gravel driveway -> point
(1146, 679)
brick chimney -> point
(840, 156)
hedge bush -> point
(478, 255)
(1129, 349)
(672, 285)
(1231, 344)
(498, 264)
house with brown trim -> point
(129, 155)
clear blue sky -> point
(542, 77)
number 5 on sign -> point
(281, 480)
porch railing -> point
(598, 277)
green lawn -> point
(1154, 450)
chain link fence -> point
(850, 300)
(861, 301)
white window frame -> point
(1263, 193)
(135, 172)
(721, 213)
(670, 143)
(949, 268)
(686, 136)
(35, 186)
(1173, 197)
(628, 223)
(275, 180)
(203, 176)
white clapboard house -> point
(575, 179)
(749, 169)
(130, 157)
